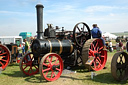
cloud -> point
(17, 13)
(99, 8)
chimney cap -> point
(39, 5)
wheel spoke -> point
(51, 74)
(100, 48)
(58, 69)
(54, 73)
(26, 59)
(3, 53)
(78, 36)
(94, 64)
(92, 45)
(46, 73)
(49, 60)
(91, 51)
(96, 46)
(25, 67)
(46, 70)
(57, 64)
(1, 63)
(99, 62)
(56, 60)
(102, 56)
(35, 67)
(4, 60)
(83, 28)
(32, 70)
(79, 29)
(29, 69)
(30, 57)
(45, 64)
(3, 56)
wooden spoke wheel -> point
(5, 56)
(94, 48)
(27, 65)
(51, 66)
(81, 33)
(119, 66)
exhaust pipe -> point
(39, 8)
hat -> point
(94, 25)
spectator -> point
(110, 46)
(23, 48)
(26, 46)
(96, 33)
(120, 45)
(117, 47)
(127, 46)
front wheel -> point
(51, 67)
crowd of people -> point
(96, 33)
(25, 47)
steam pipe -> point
(39, 8)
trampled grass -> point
(13, 76)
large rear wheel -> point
(93, 55)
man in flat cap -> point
(96, 33)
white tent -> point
(109, 35)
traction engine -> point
(51, 53)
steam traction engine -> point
(50, 52)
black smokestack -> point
(39, 8)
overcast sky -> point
(20, 15)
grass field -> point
(13, 76)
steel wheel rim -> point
(52, 67)
(4, 56)
(27, 66)
(100, 57)
(81, 35)
(119, 66)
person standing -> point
(23, 48)
(26, 46)
(96, 33)
(120, 45)
(117, 46)
(110, 46)
(127, 46)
